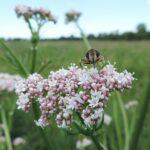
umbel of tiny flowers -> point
(73, 16)
(8, 81)
(36, 18)
(39, 15)
(75, 97)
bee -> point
(92, 57)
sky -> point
(98, 16)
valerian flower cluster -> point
(34, 13)
(72, 15)
(8, 81)
(72, 91)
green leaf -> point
(13, 60)
(6, 130)
(44, 66)
(81, 130)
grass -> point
(131, 55)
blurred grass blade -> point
(6, 130)
(140, 122)
(116, 122)
(12, 58)
(125, 121)
(98, 145)
(36, 115)
(44, 66)
(11, 113)
(103, 146)
(80, 129)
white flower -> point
(23, 101)
(42, 122)
(2, 139)
(110, 70)
(84, 77)
(1, 126)
(80, 144)
(8, 81)
(72, 102)
(18, 141)
(95, 98)
(131, 104)
(107, 119)
(20, 86)
(98, 113)
(88, 121)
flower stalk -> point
(83, 35)
(39, 16)
(35, 41)
(95, 141)
(88, 132)
(6, 129)
(80, 103)
(116, 122)
(41, 131)
(73, 16)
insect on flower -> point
(92, 57)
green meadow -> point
(131, 55)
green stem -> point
(2, 146)
(41, 131)
(34, 53)
(80, 118)
(104, 141)
(30, 27)
(118, 132)
(89, 133)
(11, 113)
(84, 37)
(35, 38)
(133, 119)
(33, 65)
(125, 120)
(44, 66)
(6, 130)
(95, 141)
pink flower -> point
(72, 15)
(8, 81)
(40, 13)
(67, 92)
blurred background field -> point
(119, 30)
(132, 55)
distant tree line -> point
(141, 34)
